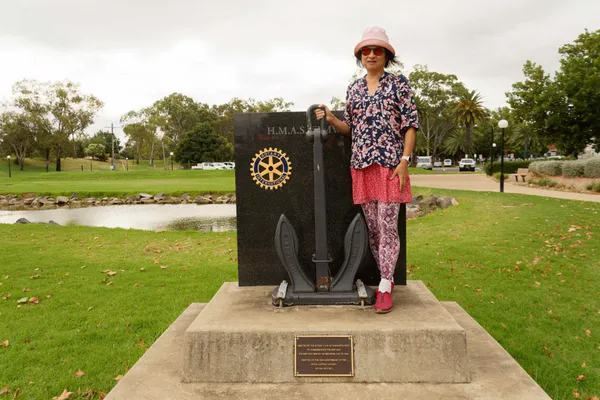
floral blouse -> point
(378, 123)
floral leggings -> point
(382, 222)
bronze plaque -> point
(324, 356)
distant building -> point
(551, 151)
(590, 152)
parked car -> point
(447, 162)
(466, 164)
(208, 166)
(424, 162)
(437, 164)
(220, 165)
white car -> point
(424, 162)
(220, 165)
(447, 162)
(466, 164)
(208, 166)
(437, 164)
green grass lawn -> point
(526, 268)
(120, 183)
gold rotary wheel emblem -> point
(270, 168)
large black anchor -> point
(326, 290)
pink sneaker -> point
(383, 304)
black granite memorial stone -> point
(286, 187)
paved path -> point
(481, 183)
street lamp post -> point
(492, 160)
(127, 163)
(90, 163)
(171, 161)
(9, 172)
(502, 124)
(492, 152)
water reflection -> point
(205, 218)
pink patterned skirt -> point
(373, 184)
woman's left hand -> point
(401, 172)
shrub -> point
(510, 167)
(594, 187)
(497, 176)
(535, 167)
(574, 169)
(545, 182)
(592, 168)
(551, 168)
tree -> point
(107, 138)
(96, 150)
(529, 99)
(578, 81)
(434, 95)
(563, 111)
(456, 144)
(141, 132)
(467, 111)
(62, 109)
(203, 144)
(175, 114)
(17, 134)
(224, 113)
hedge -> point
(550, 168)
(574, 169)
(510, 167)
(592, 168)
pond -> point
(204, 218)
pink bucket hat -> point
(374, 37)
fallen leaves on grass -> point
(4, 343)
(34, 300)
(26, 290)
(583, 365)
(93, 394)
(164, 266)
(24, 300)
(4, 390)
(64, 395)
(119, 377)
(580, 378)
(79, 374)
(142, 269)
(109, 272)
(34, 276)
(588, 332)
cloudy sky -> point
(130, 53)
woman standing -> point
(381, 117)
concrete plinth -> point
(495, 375)
(241, 338)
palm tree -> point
(526, 136)
(456, 144)
(467, 111)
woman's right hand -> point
(329, 117)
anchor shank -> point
(321, 253)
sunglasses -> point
(378, 51)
